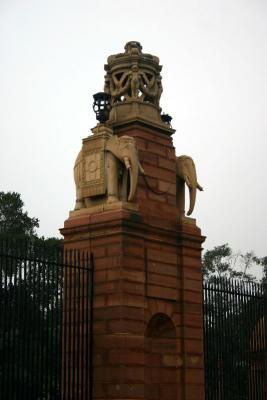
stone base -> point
(136, 110)
(148, 341)
(104, 206)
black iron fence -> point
(235, 339)
(45, 322)
(46, 336)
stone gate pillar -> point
(130, 213)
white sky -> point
(214, 57)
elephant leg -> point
(112, 178)
(79, 200)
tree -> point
(263, 263)
(14, 222)
(217, 261)
(234, 309)
(30, 304)
(222, 262)
(16, 225)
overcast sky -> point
(214, 57)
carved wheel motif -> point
(93, 182)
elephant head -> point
(124, 149)
(186, 171)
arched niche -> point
(161, 371)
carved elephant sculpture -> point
(123, 149)
(186, 173)
(121, 171)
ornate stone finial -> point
(133, 48)
(134, 77)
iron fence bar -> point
(87, 330)
(58, 332)
(69, 356)
(4, 370)
(52, 365)
(20, 318)
(43, 341)
(14, 345)
(248, 343)
(251, 346)
(258, 342)
(255, 343)
(30, 319)
(219, 352)
(91, 335)
(9, 326)
(265, 330)
(39, 328)
(78, 328)
(62, 383)
(73, 355)
(263, 341)
(1, 328)
(237, 299)
(83, 329)
(31, 290)
(48, 333)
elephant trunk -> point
(133, 179)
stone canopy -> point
(134, 83)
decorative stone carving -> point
(186, 173)
(106, 169)
(130, 77)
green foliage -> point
(217, 261)
(222, 262)
(13, 220)
(16, 226)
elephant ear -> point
(124, 149)
(113, 145)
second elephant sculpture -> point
(186, 173)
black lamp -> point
(101, 106)
(166, 118)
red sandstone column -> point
(148, 337)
